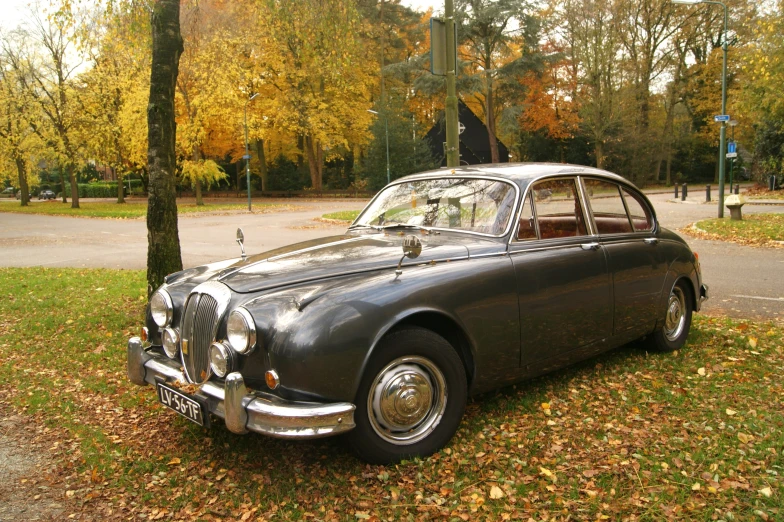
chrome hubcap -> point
(407, 400)
(676, 315)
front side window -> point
(466, 204)
(609, 212)
(642, 218)
(558, 210)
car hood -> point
(341, 255)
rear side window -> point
(558, 209)
(642, 219)
(609, 212)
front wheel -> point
(677, 320)
(411, 398)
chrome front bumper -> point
(244, 410)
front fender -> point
(321, 349)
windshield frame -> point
(400, 181)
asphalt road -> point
(745, 282)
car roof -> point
(520, 173)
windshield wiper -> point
(391, 225)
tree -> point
(163, 242)
(17, 141)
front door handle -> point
(590, 246)
(651, 240)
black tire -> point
(677, 320)
(408, 361)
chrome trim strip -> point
(509, 225)
(493, 254)
(263, 412)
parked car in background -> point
(8, 192)
(449, 283)
(46, 194)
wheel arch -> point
(438, 322)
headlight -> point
(221, 359)
(171, 342)
(241, 331)
(161, 308)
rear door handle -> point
(651, 240)
(590, 246)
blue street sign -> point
(721, 117)
(246, 156)
(731, 147)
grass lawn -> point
(129, 210)
(776, 194)
(343, 215)
(692, 435)
(754, 229)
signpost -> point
(443, 61)
(721, 117)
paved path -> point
(745, 282)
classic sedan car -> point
(449, 283)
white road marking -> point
(762, 298)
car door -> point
(624, 221)
(561, 272)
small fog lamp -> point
(171, 342)
(221, 359)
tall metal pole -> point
(386, 134)
(723, 135)
(247, 155)
(452, 145)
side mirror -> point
(412, 248)
(241, 242)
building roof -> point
(474, 140)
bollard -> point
(771, 184)
(707, 192)
(684, 192)
(737, 189)
(676, 191)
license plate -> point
(181, 403)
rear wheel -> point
(411, 398)
(677, 320)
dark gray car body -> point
(511, 309)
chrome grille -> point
(203, 311)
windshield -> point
(473, 205)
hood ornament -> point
(412, 247)
(240, 241)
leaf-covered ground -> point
(131, 210)
(754, 229)
(630, 435)
(344, 215)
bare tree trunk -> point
(23, 188)
(163, 241)
(262, 163)
(120, 187)
(62, 183)
(74, 186)
(315, 171)
(196, 157)
(599, 152)
(490, 117)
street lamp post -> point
(386, 135)
(723, 132)
(247, 155)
